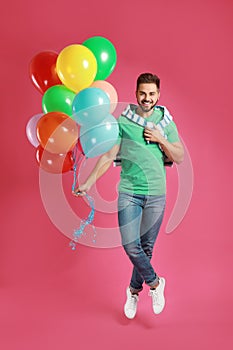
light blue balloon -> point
(90, 106)
(99, 138)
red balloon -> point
(54, 163)
(43, 70)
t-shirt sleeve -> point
(172, 133)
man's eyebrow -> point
(143, 92)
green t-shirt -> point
(142, 167)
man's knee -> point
(133, 249)
(148, 249)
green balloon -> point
(105, 54)
(58, 99)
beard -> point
(146, 108)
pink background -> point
(53, 298)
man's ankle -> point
(133, 293)
(155, 286)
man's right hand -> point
(81, 190)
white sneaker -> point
(157, 295)
(130, 307)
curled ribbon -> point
(84, 222)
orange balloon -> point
(110, 91)
(54, 163)
(57, 132)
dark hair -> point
(148, 78)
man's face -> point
(147, 96)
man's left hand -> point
(152, 135)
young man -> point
(147, 136)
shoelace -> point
(155, 296)
(133, 301)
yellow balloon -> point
(76, 67)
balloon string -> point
(84, 222)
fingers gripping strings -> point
(84, 222)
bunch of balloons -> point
(77, 103)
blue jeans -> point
(140, 218)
